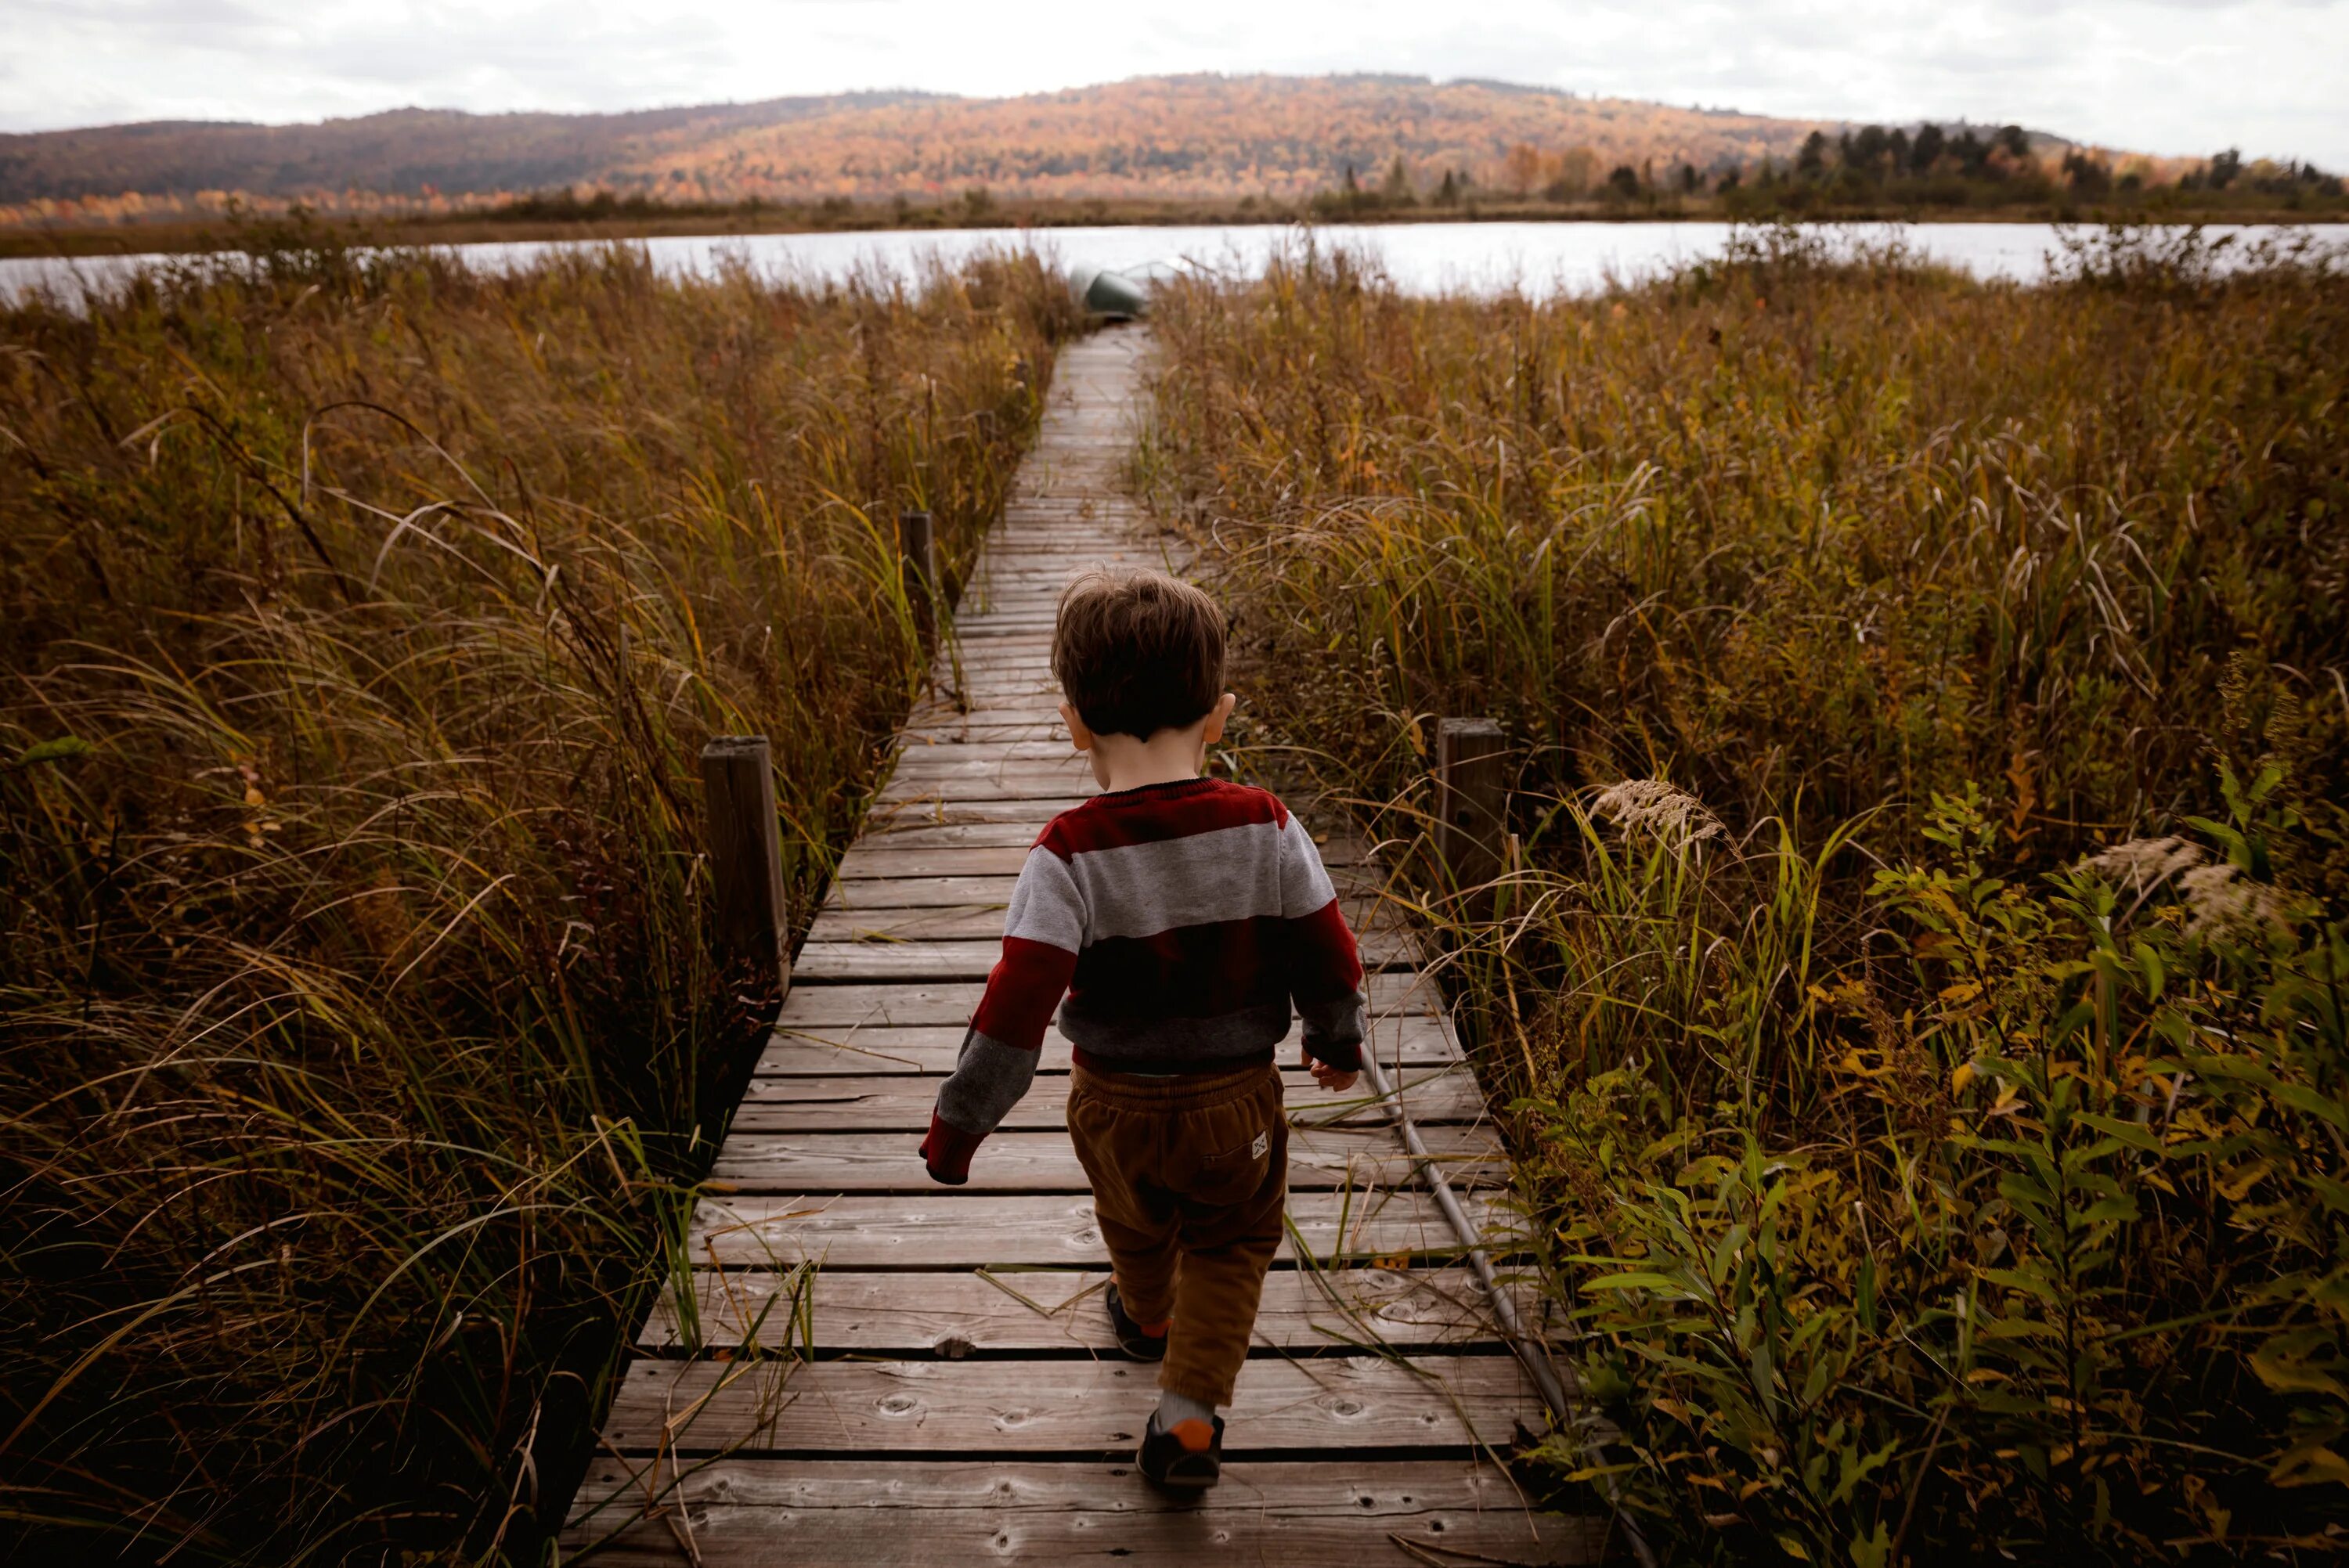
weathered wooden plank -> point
(982, 686)
(1433, 1096)
(943, 1229)
(934, 891)
(968, 755)
(1020, 783)
(1303, 1311)
(1354, 1405)
(755, 1160)
(915, 833)
(931, 1514)
(1409, 1041)
(892, 815)
(1061, 786)
(940, 713)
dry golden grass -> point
(1915, 1190)
(361, 620)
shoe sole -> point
(1141, 1348)
(1188, 1475)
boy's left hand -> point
(1333, 1080)
(946, 1151)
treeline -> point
(1868, 168)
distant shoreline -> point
(498, 226)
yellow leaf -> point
(2235, 1186)
(2310, 1462)
(1962, 1076)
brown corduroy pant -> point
(1190, 1177)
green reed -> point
(362, 619)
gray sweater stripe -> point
(1046, 906)
(989, 1078)
(1254, 870)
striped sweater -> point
(1180, 922)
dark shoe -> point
(1141, 1347)
(1187, 1458)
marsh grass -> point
(1921, 1180)
(363, 618)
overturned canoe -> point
(1114, 294)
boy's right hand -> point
(1333, 1080)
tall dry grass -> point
(1921, 1181)
(363, 619)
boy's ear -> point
(1217, 716)
(1078, 736)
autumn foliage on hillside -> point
(1206, 136)
(1282, 138)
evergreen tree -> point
(1865, 151)
(1397, 191)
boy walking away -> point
(1180, 917)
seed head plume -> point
(2219, 901)
(2141, 865)
(1652, 806)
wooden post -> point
(746, 858)
(917, 546)
(1471, 803)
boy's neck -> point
(1169, 757)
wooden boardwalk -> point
(963, 1400)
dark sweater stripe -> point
(1149, 817)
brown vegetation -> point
(1920, 977)
(360, 621)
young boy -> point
(1180, 917)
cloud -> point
(2165, 75)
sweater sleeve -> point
(1043, 931)
(1325, 968)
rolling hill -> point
(1183, 137)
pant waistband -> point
(1192, 1091)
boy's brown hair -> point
(1138, 652)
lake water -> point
(1422, 258)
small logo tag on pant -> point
(1261, 1147)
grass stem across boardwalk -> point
(964, 1400)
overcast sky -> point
(2161, 75)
